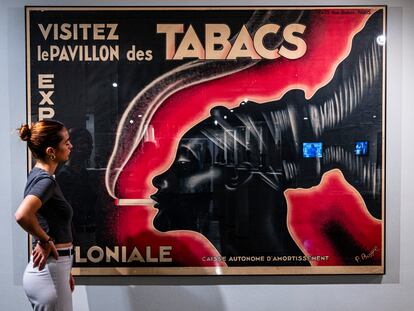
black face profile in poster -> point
(217, 140)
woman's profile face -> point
(222, 185)
(64, 147)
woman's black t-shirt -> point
(55, 214)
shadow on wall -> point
(154, 298)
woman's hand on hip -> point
(41, 252)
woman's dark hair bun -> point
(25, 132)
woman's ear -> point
(50, 152)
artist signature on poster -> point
(363, 257)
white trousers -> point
(49, 289)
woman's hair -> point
(40, 135)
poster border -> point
(209, 271)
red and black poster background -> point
(217, 140)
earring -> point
(52, 157)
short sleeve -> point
(42, 188)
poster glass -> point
(217, 140)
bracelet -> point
(50, 239)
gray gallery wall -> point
(394, 291)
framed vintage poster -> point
(217, 140)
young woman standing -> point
(47, 216)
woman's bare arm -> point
(26, 218)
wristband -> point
(50, 239)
